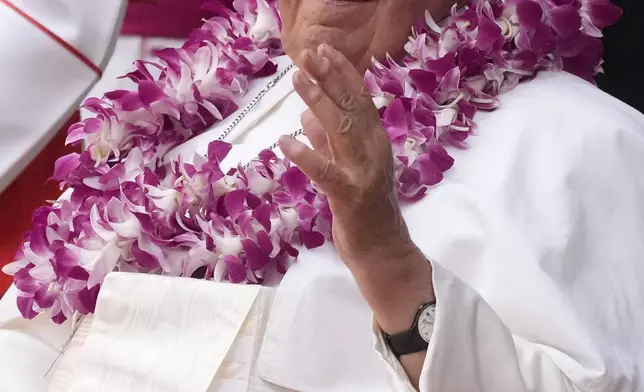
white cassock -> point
(41, 80)
(536, 236)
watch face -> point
(426, 322)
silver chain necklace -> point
(253, 102)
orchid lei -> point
(128, 211)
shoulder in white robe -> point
(536, 236)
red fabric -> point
(27, 193)
(163, 18)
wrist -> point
(395, 284)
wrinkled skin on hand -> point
(351, 159)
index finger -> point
(346, 142)
(353, 81)
(339, 101)
(341, 82)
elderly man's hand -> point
(352, 162)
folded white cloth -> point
(154, 333)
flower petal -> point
(565, 20)
(105, 264)
(603, 13)
(234, 203)
(26, 307)
(312, 239)
(530, 14)
(236, 270)
(12, 268)
(256, 257)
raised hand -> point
(351, 160)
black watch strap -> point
(407, 342)
(411, 341)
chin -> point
(352, 45)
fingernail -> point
(307, 116)
(320, 63)
(303, 78)
(306, 54)
(323, 50)
(310, 55)
(286, 142)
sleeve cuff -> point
(397, 376)
(456, 309)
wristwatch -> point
(417, 338)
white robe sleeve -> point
(472, 350)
